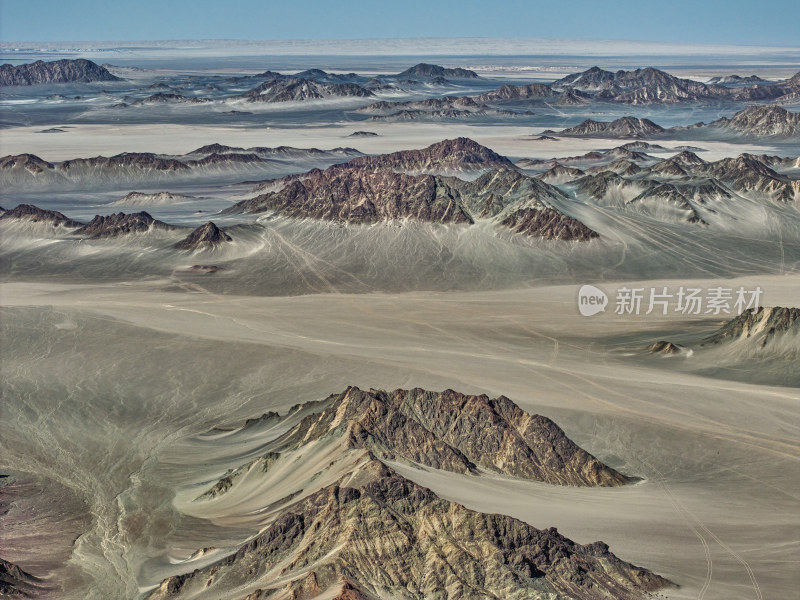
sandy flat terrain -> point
(717, 511)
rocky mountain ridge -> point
(59, 71)
(360, 529)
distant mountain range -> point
(758, 121)
(59, 71)
(27, 170)
(455, 181)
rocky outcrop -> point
(205, 237)
(34, 214)
(665, 348)
(16, 582)
(762, 327)
(118, 224)
(369, 532)
(59, 71)
(549, 224)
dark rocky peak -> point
(622, 152)
(457, 154)
(738, 79)
(590, 78)
(15, 582)
(793, 81)
(298, 89)
(456, 432)
(358, 195)
(216, 148)
(642, 146)
(765, 121)
(739, 166)
(118, 224)
(324, 545)
(30, 162)
(59, 71)
(762, 327)
(204, 237)
(322, 540)
(428, 71)
(624, 127)
(170, 98)
(140, 160)
(517, 92)
(225, 159)
(34, 214)
(549, 224)
(665, 348)
(687, 158)
(572, 97)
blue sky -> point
(739, 22)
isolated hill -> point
(762, 121)
(738, 79)
(624, 127)
(206, 236)
(169, 98)
(429, 104)
(456, 155)
(327, 535)
(428, 71)
(114, 225)
(152, 199)
(34, 214)
(357, 195)
(300, 90)
(59, 71)
(517, 92)
(761, 328)
(641, 86)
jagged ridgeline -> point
(355, 528)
